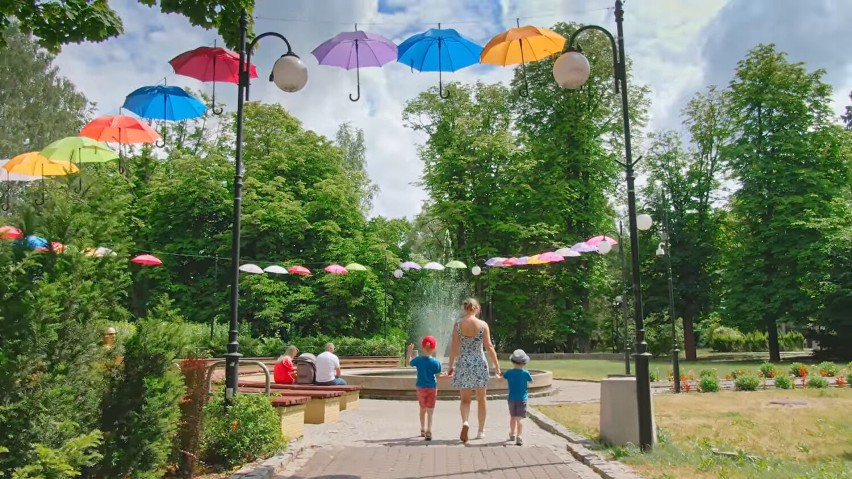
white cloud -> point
(664, 38)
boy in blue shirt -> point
(518, 377)
(427, 386)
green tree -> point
(351, 141)
(59, 22)
(786, 156)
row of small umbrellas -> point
(37, 243)
(594, 244)
(301, 270)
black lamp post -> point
(571, 70)
(290, 75)
(664, 249)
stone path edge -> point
(269, 468)
(579, 446)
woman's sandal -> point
(422, 433)
(428, 435)
(464, 431)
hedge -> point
(725, 339)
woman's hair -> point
(471, 306)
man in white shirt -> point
(328, 368)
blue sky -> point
(677, 47)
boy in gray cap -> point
(518, 379)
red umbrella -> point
(10, 233)
(57, 247)
(210, 64)
(147, 260)
(299, 270)
(120, 129)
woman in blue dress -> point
(468, 366)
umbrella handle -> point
(6, 202)
(526, 91)
(160, 143)
(217, 111)
(357, 74)
(440, 73)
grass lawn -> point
(813, 441)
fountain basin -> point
(399, 383)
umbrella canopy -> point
(510, 262)
(456, 264)
(438, 50)
(78, 149)
(34, 164)
(522, 261)
(335, 269)
(551, 257)
(584, 248)
(567, 253)
(5, 176)
(100, 251)
(122, 129)
(162, 102)
(275, 269)
(356, 267)
(147, 260)
(522, 45)
(355, 50)
(10, 233)
(33, 242)
(300, 270)
(496, 261)
(57, 247)
(210, 64)
(596, 240)
(536, 259)
(434, 266)
(251, 268)
(410, 265)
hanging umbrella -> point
(434, 266)
(584, 248)
(33, 242)
(275, 269)
(551, 257)
(34, 164)
(567, 253)
(121, 129)
(147, 260)
(300, 270)
(496, 262)
(9, 177)
(510, 262)
(355, 50)
(522, 261)
(410, 265)
(251, 268)
(100, 251)
(356, 267)
(335, 269)
(10, 233)
(167, 103)
(57, 247)
(79, 149)
(439, 50)
(536, 259)
(456, 264)
(211, 65)
(521, 45)
(596, 240)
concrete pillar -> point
(619, 412)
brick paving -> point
(381, 441)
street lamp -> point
(572, 70)
(290, 75)
(665, 249)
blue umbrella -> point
(160, 102)
(439, 50)
(32, 242)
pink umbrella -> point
(551, 257)
(57, 247)
(567, 253)
(10, 233)
(335, 269)
(584, 248)
(300, 270)
(522, 261)
(147, 260)
(496, 262)
(410, 265)
(510, 262)
(596, 240)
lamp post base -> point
(676, 369)
(232, 375)
(647, 435)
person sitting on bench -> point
(328, 368)
(284, 371)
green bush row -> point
(726, 340)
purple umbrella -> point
(522, 261)
(584, 248)
(410, 265)
(497, 262)
(355, 50)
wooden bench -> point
(323, 406)
(348, 401)
(291, 412)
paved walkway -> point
(381, 440)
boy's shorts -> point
(517, 408)
(427, 397)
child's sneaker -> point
(519, 441)
(480, 435)
(511, 438)
(428, 435)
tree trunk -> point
(689, 338)
(774, 349)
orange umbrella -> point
(121, 129)
(522, 45)
(33, 164)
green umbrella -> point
(78, 149)
(356, 267)
(456, 264)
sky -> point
(678, 47)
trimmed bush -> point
(709, 384)
(250, 430)
(348, 346)
(791, 341)
(746, 382)
(798, 370)
(730, 340)
(768, 370)
(708, 373)
(817, 382)
(783, 382)
(827, 369)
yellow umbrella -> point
(33, 164)
(522, 45)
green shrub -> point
(849, 379)
(271, 346)
(783, 382)
(708, 373)
(654, 375)
(827, 368)
(736, 373)
(768, 370)
(755, 341)
(348, 346)
(709, 384)
(796, 369)
(791, 341)
(64, 462)
(746, 382)
(725, 340)
(250, 430)
(817, 382)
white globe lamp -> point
(397, 273)
(476, 270)
(571, 70)
(289, 73)
(604, 247)
(644, 222)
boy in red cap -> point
(427, 386)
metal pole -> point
(624, 300)
(642, 357)
(232, 358)
(668, 251)
(385, 311)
